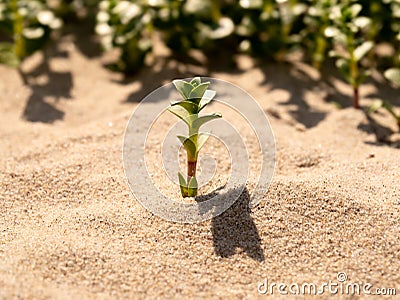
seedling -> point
(394, 76)
(348, 33)
(195, 96)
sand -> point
(71, 229)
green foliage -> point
(381, 104)
(125, 25)
(348, 30)
(195, 97)
(265, 28)
(260, 27)
(392, 75)
(27, 26)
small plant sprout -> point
(195, 98)
(392, 75)
(348, 32)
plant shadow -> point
(381, 132)
(235, 228)
(57, 85)
(286, 76)
(84, 37)
(299, 79)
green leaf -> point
(195, 81)
(189, 146)
(355, 9)
(198, 92)
(180, 112)
(375, 106)
(393, 75)
(362, 50)
(389, 107)
(182, 138)
(201, 140)
(190, 107)
(183, 185)
(207, 98)
(334, 53)
(344, 67)
(7, 55)
(385, 105)
(331, 31)
(204, 119)
(183, 87)
(251, 4)
(192, 187)
(362, 22)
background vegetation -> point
(351, 32)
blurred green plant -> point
(26, 27)
(184, 25)
(195, 97)
(316, 22)
(348, 32)
(394, 23)
(264, 28)
(351, 31)
(125, 25)
(392, 75)
(269, 28)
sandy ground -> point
(70, 228)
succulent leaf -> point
(362, 50)
(195, 81)
(197, 93)
(183, 185)
(180, 112)
(192, 187)
(355, 9)
(201, 140)
(189, 106)
(183, 87)
(190, 147)
(393, 75)
(197, 123)
(375, 106)
(207, 98)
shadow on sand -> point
(235, 229)
(58, 84)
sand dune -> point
(70, 227)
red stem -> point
(191, 169)
(356, 103)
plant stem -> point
(191, 171)
(192, 162)
(356, 103)
(18, 27)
